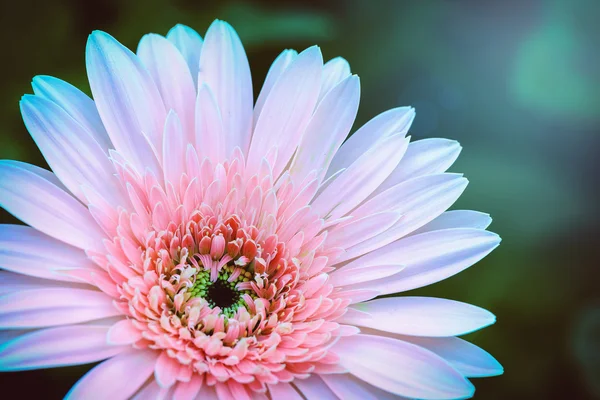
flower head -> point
(204, 244)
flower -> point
(207, 246)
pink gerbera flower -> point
(208, 246)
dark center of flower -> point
(221, 294)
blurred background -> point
(516, 82)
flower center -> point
(222, 295)
(225, 291)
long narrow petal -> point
(401, 368)
(419, 201)
(28, 251)
(282, 61)
(388, 123)
(224, 67)
(334, 71)
(57, 347)
(117, 378)
(76, 103)
(456, 219)
(421, 316)
(360, 179)
(313, 388)
(429, 257)
(283, 390)
(46, 207)
(210, 139)
(70, 149)
(172, 76)
(174, 146)
(53, 306)
(128, 101)
(123, 332)
(287, 109)
(15, 283)
(166, 370)
(361, 229)
(327, 129)
(423, 157)
(188, 390)
(346, 386)
(189, 43)
(468, 359)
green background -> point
(516, 82)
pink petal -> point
(76, 103)
(334, 71)
(57, 347)
(282, 61)
(283, 390)
(127, 99)
(401, 368)
(53, 306)
(429, 257)
(422, 316)
(456, 219)
(189, 43)
(27, 251)
(423, 157)
(346, 386)
(224, 68)
(357, 182)
(123, 332)
(172, 77)
(14, 283)
(314, 388)
(166, 370)
(70, 149)
(174, 146)
(327, 129)
(287, 110)
(188, 390)
(46, 207)
(117, 378)
(210, 139)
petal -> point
(401, 368)
(70, 149)
(334, 71)
(46, 207)
(468, 359)
(345, 277)
(282, 61)
(327, 129)
(57, 347)
(429, 257)
(53, 306)
(210, 139)
(172, 76)
(174, 146)
(388, 123)
(27, 251)
(189, 44)
(127, 99)
(152, 391)
(14, 283)
(75, 103)
(283, 390)
(361, 229)
(313, 388)
(287, 110)
(423, 157)
(123, 332)
(224, 67)
(188, 390)
(346, 386)
(125, 373)
(419, 201)
(357, 182)
(457, 219)
(421, 316)
(166, 370)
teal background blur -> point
(516, 82)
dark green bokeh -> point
(516, 82)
